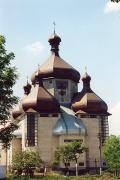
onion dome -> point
(18, 110)
(88, 101)
(54, 41)
(40, 100)
(55, 66)
(27, 88)
(68, 123)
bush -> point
(25, 162)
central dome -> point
(55, 66)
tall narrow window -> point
(62, 88)
(30, 129)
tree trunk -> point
(66, 169)
(6, 159)
(76, 167)
(116, 171)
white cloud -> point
(112, 7)
(34, 49)
(114, 120)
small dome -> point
(40, 100)
(69, 124)
(86, 77)
(27, 88)
(18, 110)
(87, 100)
(90, 103)
(54, 41)
(54, 38)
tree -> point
(77, 148)
(62, 153)
(8, 78)
(111, 151)
(70, 152)
(6, 135)
(26, 160)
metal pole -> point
(100, 144)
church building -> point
(53, 112)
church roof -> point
(56, 67)
(69, 123)
(88, 101)
(40, 100)
(18, 110)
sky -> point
(90, 33)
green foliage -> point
(76, 148)
(6, 135)
(69, 151)
(8, 78)
(63, 153)
(111, 151)
(26, 159)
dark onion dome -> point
(18, 110)
(88, 101)
(86, 78)
(40, 100)
(54, 41)
(27, 88)
(54, 37)
(55, 66)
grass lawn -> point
(85, 177)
